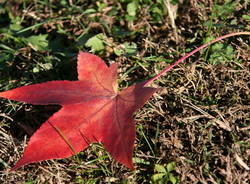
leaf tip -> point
(6, 94)
(19, 164)
(131, 167)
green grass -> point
(181, 134)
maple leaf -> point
(93, 110)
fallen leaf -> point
(93, 110)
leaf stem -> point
(191, 53)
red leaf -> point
(92, 111)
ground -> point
(194, 130)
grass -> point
(195, 130)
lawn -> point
(195, 129)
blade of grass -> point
(41, 23)
(143, 135)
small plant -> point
(221, 53)
(164, 174)
(96, 43)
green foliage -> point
(96, 43)
(219, 15)
(246, 17)
(155, 9)
(38, 43)
(164, 174)
(127, 49)
(221, 54)
(132, 10)
(225, 9)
